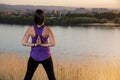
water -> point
(72, 42)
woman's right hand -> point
(38, 41)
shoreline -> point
(81, 25)
(100, 24)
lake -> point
(71, 42)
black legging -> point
(32, 65)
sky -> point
(70, 3)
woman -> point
(40, 51)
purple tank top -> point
(39, 53)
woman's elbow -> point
(23, 44)
(53, 44)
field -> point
(13, 67)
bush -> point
(80, 20)
(117, 20)
(103, 20)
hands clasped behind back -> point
(38, 41)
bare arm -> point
(26, 38)
(51, 37)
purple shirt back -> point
(39, 53)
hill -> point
(4, 7)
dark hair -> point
(39, 17)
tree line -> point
(67, 19)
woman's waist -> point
(40, 48)
(40, 51)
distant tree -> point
(107, 15)
(117, 20)
(80, 15)
(103, 20)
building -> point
(99, 10)
(81, 10)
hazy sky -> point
(71, 3)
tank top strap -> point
(38, 31)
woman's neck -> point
(40, 25)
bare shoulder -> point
(48, 29)
(29, 30)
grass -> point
(13, 67)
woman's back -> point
(39, 52)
